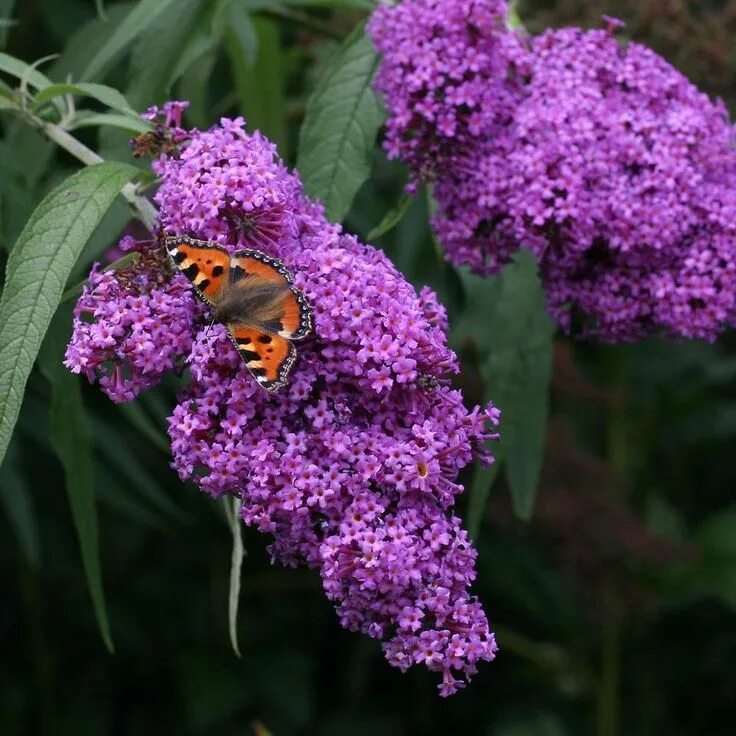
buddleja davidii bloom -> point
(619, 174)
(366, 437)
(448, 75)
(400, 572)
(131, 326)
(228, 191)
(352, 482)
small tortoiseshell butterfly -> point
(253, 296)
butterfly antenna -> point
(209, 327)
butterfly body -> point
(253, 296)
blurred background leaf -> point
(340, 127)
(507, 325)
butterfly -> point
(253, 296)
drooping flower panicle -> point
(351, 468)
(447, 77)
(602, 159)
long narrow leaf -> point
(15, 496)
(71, 438)
(391, 219)
(137, 21)
(515, 347)
(479, 492)
(132, 125)
(37, 270)
(232, 508)
(254, 48)
(101, 92)
(22, 70)
(164, 50)
(340, 128)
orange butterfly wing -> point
(268, 356)
(264, 341)
(295, 318)
(205, 264)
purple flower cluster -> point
(352, 467)
(131, 326)
(447, 76)
(601, 159)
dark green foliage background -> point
(614, 606)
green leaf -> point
(22, 70)
(478, 494)
(6, 20)
(712, 572)
(340, 127)
(37, 270)
(165, 50)
(142, 423)
(392, 218)
(256, 60)
(232, 513)
(100, 9)
(72, 441)
(137, 21)
(514, 21)
(15, 496)
(5, 90)
(16, 204)
(106, 234)
(100, 92)
(128, 465)
(515, 344)
(195, 87)
(717, 535)
(87, 40)
(25, 153)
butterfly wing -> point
(257, 292)
(268, 356)
(205, 264)
(291, 316)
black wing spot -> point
(179, 257)
(257, 371)
(217, 270)
(243, 341)
(265, 339)
(203, 284)
(237, 273)
(249, 355)
(191, 271)
(273, 325)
